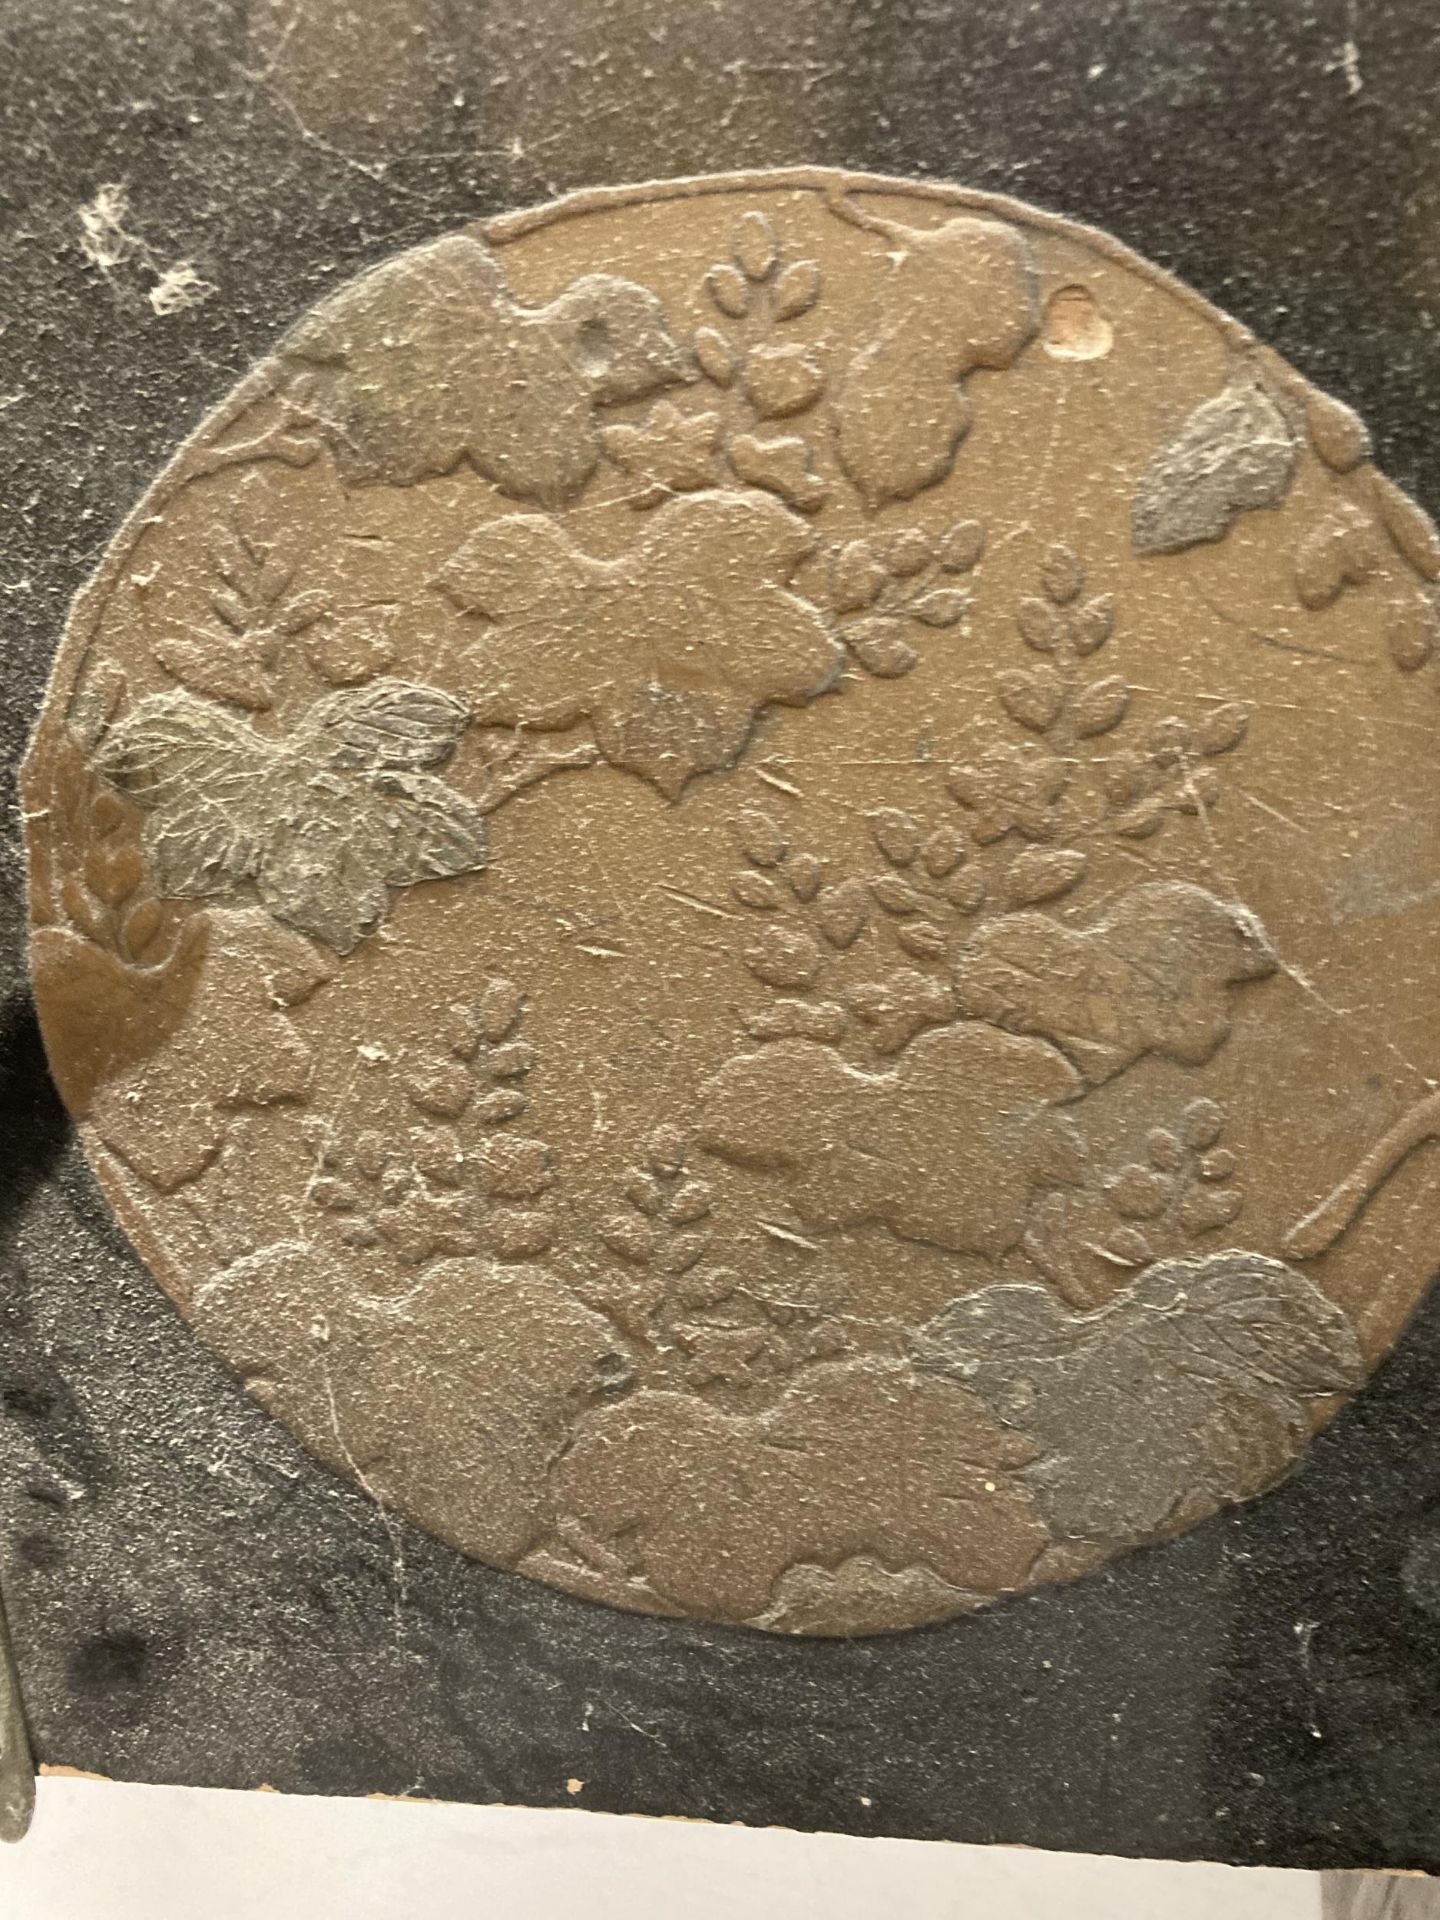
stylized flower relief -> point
(669, 452)
(429, 360)
(321, 822)
(949, 1148)
(669, 651)
(157, 1059)
(1011, 789)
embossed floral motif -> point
(669, 651)
(258, 615)
(1125, 779)
(1057, 620)
(1011, 788)
(669, 452)
(320, 823)
(105, 898)
(892, 589)
(657, 1242)
(255, 611)
(429, 360)
(682, 1313)
(840, 1041)
(1185, 1185)
(950, 886)
(1181, 1187)
(764, 376)
(464, 1181)
(948, 1147)
(1171, 773)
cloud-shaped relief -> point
(499, 1361)
(670, 650)
(954, 298)
(711, 1509)
(949, 1147)
(429, 360)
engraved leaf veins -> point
(1234, 453)
(320, 823)
(1189, 1388)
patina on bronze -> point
(737, 881)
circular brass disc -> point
(738, 883)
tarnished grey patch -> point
(1233, 453)
(1188, 1389)
(324, 823)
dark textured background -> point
(193, 1598)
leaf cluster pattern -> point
(321, 823)
(458, 1176)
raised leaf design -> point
(897, 834)
(1100, 706)
(1234, 453)
(390, 723)
(214, 664)
(760, 839)
(941, 607)
(960, 546)
(841, 912)
(670, 648)
(1154, 975)
(1041, 626)
(1043, 873)
(797, 289)
(955, 297)
(1223, 728)
(1033, 697)
(879, 644)
(756, 249)
(856, 576)
(1061, 575)
(321, 823)
(714, 356)
(1188, 1390)
(726, 287)
(1092, 624)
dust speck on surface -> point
(108, 240)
